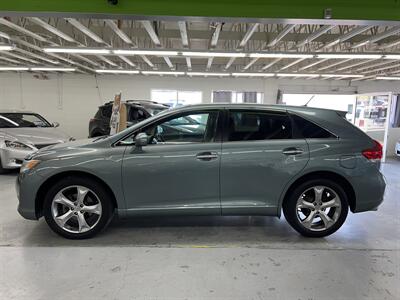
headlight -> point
(17, 145)
(29, 165)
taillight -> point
(374, 153)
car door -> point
(259, 157)
(178, 171)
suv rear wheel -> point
(316, 208)
(77, 207)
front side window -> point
(185, 128)
(250, 126)
(136, 115)
(20, 120)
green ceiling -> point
(388, 10)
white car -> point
(397, 149)
(22, 133)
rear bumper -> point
(369, 189)
(13, 158)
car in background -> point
(210, 159)
(137, 110)
(397, 150)
(23, 133)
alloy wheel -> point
(76, 209)
(318, 208)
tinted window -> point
(106, 111)
(25, 120)
(136, 115)
(248, 126)
(310, 130)
(189, 128)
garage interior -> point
(65, 65)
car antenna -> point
(309, 100)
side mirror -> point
(141, 140)
(56, 124)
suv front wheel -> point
(316, 208)
(77, 207)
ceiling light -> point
(77, 50)
(392, 56)
(53, 69)
(213, 54)
(349, 55)
(207, 74)
(387, 78)
(13, 69)
(6, 47)
(296, 75)
(146, 52)
(253, 74)
(342, 75)
(281, 55)
(117, 71)
(162, 73)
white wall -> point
(72, 99)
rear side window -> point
(251, 126)
(309, 130)
(106, 111)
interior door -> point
(259, 157)
(178, 171)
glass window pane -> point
(309, 130)
(246, 126)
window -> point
(247, 126)
(26, 120)
(187, 128)
(136, 115)
(176, 98)
(309, 130)
(106, 111)
(237, 97)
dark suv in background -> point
(137, 110)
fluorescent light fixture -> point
(162, 73)
(77, 50)
(349, 55)
(110, 71)
(6, 47)
(342, 76)
(296, 75)
(387, 78)
(13, 69)
(213, 54)
(145, 52)
(207, 74)
(253, 74)
(281, 55)
(53, 69)
(392, 56)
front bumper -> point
(26, 187)
(13, 158)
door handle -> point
(292, 151)
(207, 156)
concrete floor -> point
(203, 257)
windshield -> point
(22, 120)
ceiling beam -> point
(352, 33)
(22, 30)
(52, 29)
(215, 36)
(184, 35)
(114, 27)
(316, 34)
(269, 65)
(281, 35)
(378, 37)
(248, 35)
(82, 28)
(151, 32)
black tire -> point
(290, 210)
(103, 197)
